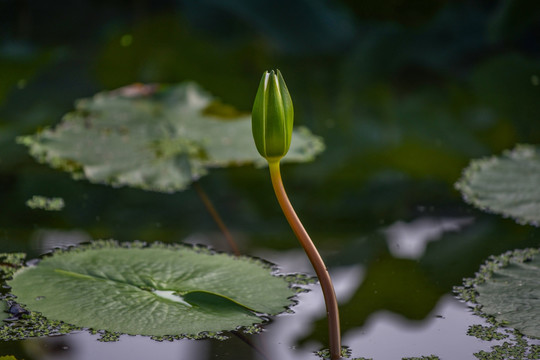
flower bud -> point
(272, 117)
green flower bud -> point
(272, 117)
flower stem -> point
(215, 215)
(332, 311)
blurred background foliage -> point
(404, 93)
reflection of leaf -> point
(154, 138)
(507, 287)
(156, 290)
(507, 184)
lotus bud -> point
(272, 117)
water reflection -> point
(83, 346)
(385, 335)
(409, 240)
(45, 240)
(289, 329)
(443, 333)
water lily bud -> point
(272, 117)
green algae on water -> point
(33, 325)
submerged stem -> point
(257, 349)
(215, 215)
(332, 311)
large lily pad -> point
(158, 138)
(507, 184)
(152, 290)
(507, 288)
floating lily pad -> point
(154, 290)
(507, 184)
(158, 138)
(507, 288)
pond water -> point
(384, 335)
(403, 94)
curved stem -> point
(215, 215)
(332, 311)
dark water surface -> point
(404, 95)
(385, 334)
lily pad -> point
(154, 137)
(507, 184)
(507, 288)
(155, 290)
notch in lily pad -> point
(154, 290)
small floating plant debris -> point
(157, 290)
(44, 203)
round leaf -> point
(507, 184)
(157, 290)
(158, 138)
(507, 287)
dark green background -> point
(404, 93)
